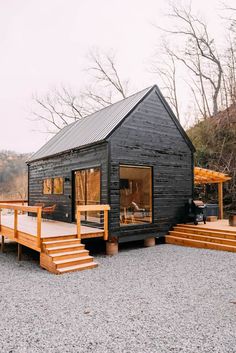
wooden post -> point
(19, 252)
(2, 246)
(105, 224)
(15, 223)
(39, 219)
(220, 200)
(78, 225)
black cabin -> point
(133, 155)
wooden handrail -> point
(32, 209)
(87, 208)
(14, 201)
(84, 208)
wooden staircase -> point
(65, 254)
(197, 237)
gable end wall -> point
(150, 137)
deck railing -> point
(17, 209)
(89, 208)
(21, 201)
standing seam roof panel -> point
(93, 128)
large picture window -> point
(87, 192)
(135, 195)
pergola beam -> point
(205, 176)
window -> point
(58, 186)
(135, 195)
(47, 186)
(53, 186)
(87, 192)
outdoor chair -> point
(48, 210)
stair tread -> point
(86, 265)
(204, 230)
(202, 241)
(66, 247)
(70, 253)
(188, 226)
(185, 235)
(65, 261)
(51, 242)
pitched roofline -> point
(90, 115)
(150, 89)
(130, 111)
(175, 120)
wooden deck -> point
(217, 235)
(49, 228)
(59, 243)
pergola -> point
(207, 176)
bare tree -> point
(61, 107)
(166, 69)
(199, 55)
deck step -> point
(69, 254)
(72, 261)
(202, 237)
(59, 237)
(61, 242)
(208, 233)
(65, 248)
(170, 239)
(81, 267)
(225, 231)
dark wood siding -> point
(149, 136)
(63, 165)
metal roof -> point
(91, 129)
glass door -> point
(87, 192)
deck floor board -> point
(49, 228)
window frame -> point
(139, 225)
(44, 182)
(52, 186)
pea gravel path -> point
(145, 300)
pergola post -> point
(220, 200)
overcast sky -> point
(44, 44)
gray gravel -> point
(145, 300)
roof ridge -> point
(93, 128)
(112, 104)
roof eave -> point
(67, 151)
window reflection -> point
(135, 195)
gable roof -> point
(96, 127)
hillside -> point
(13, 175)
(215, 142)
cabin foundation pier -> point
(112, 248)
(150, 242)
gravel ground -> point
(145, 300)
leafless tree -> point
(61, 107)
(166, 69)
(199, 55)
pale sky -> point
(44, 44)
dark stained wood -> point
(149, 136)
(63, 166)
